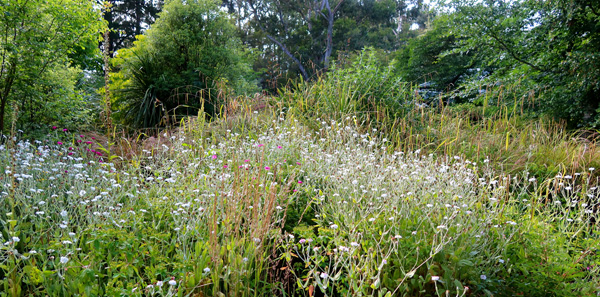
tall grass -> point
(505, 133)
(261, 204)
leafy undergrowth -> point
(260, 205)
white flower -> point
(63, 213)
(15, 239)
(354, 244)
(324, 275)
(206, 270)
(64, 260)
(333, 226)
(435, 277)
(159, 283)
(483, 277)
(172, 282)
(82, 193)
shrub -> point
(188, 60)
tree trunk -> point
(8, 81)
(2, 107)
(330, 19)
(289, 54)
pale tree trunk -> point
(330, 17)
(281, 45)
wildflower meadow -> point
(262, 205)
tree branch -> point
(280, 44)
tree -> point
(429, 59)
(190, 50)
(41, 36)
(304, 36)
(127, 19)
(551, 47)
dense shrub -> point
(188, 59)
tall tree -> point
(128, 18)
(36, 36)
(551, 45)
(309, 33)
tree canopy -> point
(550, 47)
(40, 42)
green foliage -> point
(209, 207)
(181, 64)
(301, 38)
(42, 44)
(367, 88)
(423, 60)
(549, 48)
(127, 19)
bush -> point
(188, 60)
(367, 89)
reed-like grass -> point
(259, 204)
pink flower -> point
(261, 145)
(70, 148)
(298, 163)
(224, 166)
(79, 140)
(214, 156)
(279, 146)
(88, 142)
(299, 181)
(70, 153)
(65, 130)
(59, 143)
(246, 161)
(54, 127)
(81, 136)
(267, 167)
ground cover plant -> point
(259, 204)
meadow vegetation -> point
(273, 199)
(410, 151)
